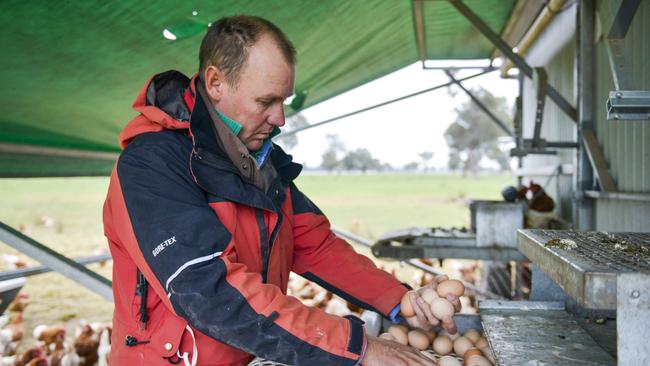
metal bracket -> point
(540, 78)
(541, 146)
(624, 103)
(523, 66)
(56, 261)
(628, 105)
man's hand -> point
(381, 352)
(424, 318)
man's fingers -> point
(428, 313)
(449, 324)
(454, 301)
(441, 278)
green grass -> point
(368, 205)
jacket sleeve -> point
(330, 261)
(189, 258)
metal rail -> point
(56, 261)
(486, 70)
(31, 271)
(414, 263)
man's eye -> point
(265, 103)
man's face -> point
(257, 101)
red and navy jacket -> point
(202, 254)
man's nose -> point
(277, 116)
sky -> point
(396, 133)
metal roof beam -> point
(418, 22)
(523, 66)
(482, 106)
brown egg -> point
(451, 287)
(478, 360)
(430, 334)
(405, 306)
(473, 335)
(449, 361)
(462, 344)
(487, 352)
(400, 334)
(442, 345)
(481, 343)
(471, 352)
(418, 339)
(428, 294)
(451, 336)
(441, 308)
(388, 337)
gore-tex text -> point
(159, 248)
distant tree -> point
(473, 135)
(294, 122)
(455, 162)
(331, 155)
(426, 156)
(412, 166)
(360, 159)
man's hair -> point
(229, 39)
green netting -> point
(70, 70)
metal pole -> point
(583, 208)
(56, 261)
(515, 58)
(480, 104)
(485, 71)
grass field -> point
(65, 214)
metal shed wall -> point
(626, 144)
(558, 60)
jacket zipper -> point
(142, 290)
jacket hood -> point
(170, 101)
(162, 106)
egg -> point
(387, 336)
(441, 308)
(450, 287)
(400, 334)
(477, 360)
(481, 343)
(449, 361)
(428, 294)
(405, 306)
(442, 345)
(487, 352)
(418, 339)
(462, 344)
(473, 335)
(471, 352)
(430, 334)
(451, 336)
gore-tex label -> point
(160, 247)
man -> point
(205, 223)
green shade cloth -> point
(70, 70)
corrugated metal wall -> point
(626, 144)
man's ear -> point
(214, 83)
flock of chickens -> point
(89, 346)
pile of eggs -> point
(471, 346)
